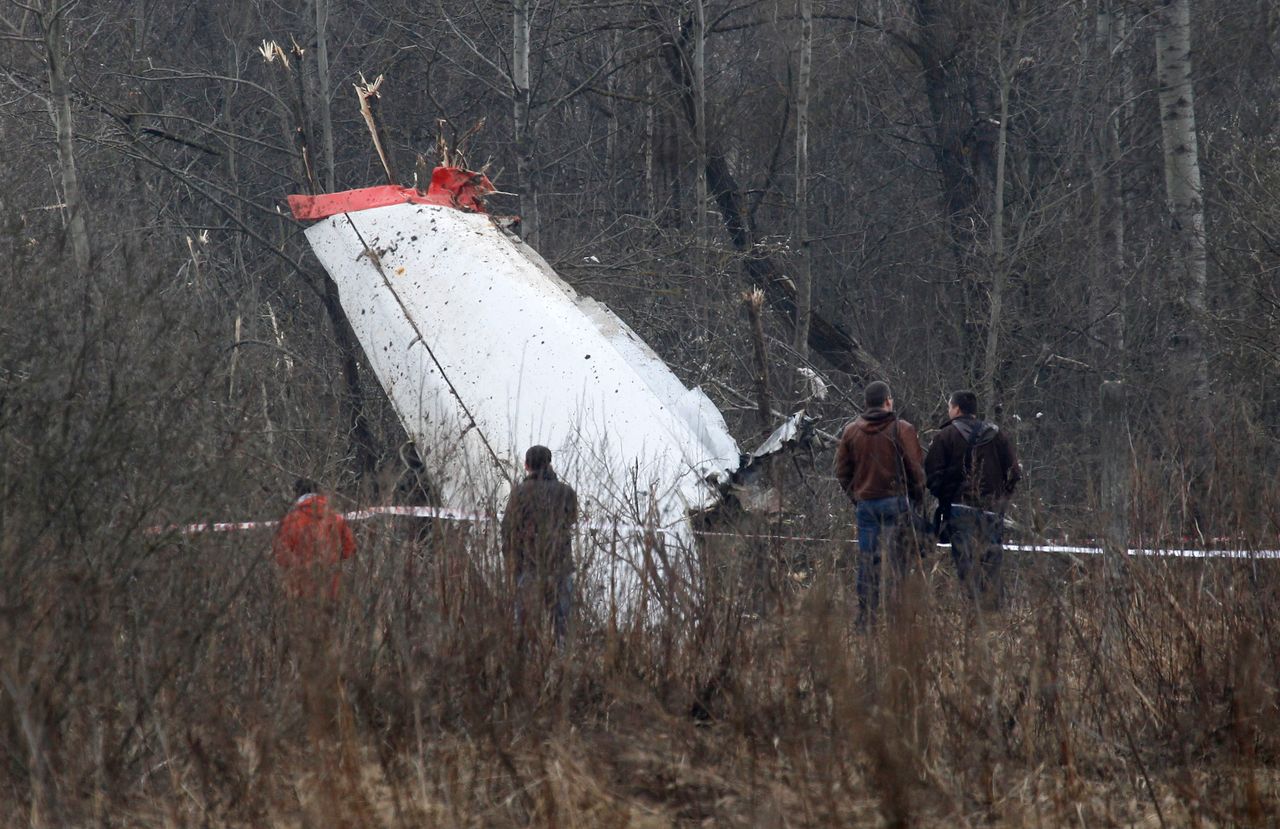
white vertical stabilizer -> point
(530, 361)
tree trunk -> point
(1115, 481)
(1114, 503)
(959, 154)
(835, 345)
(650, 148)
(362, 443)
(60, 112)
(999, 260)
(1183, 190)
(804, 273)
(611, 123)
(1106, 310)
(320, 17)
(700, 136)
(522, 127)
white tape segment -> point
(448, 514)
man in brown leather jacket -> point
(972, 470)
(878, 464)
(537, 542)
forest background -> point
(1068, 206)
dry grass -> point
(421, 709)
(161, 681)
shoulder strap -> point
(900, 469)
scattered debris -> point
(817, 386)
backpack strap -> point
(900, 470)
(967, 463)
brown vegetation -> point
(987, 206)
(189, 693)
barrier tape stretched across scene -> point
(450, 514)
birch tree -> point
(521, 94)
(1183, 191)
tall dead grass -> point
(162, 680)
(193, 694)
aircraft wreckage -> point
(483, 351)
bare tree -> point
(1106, 272)
(52, 18)
(1107, 267)
(530, 220)
(1183, 190)
(800, 233)
(699, 70)
(1007, 67)
(317, 15)
(836, 345)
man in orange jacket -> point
(311, 543)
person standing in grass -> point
(537, 543)
(310, 545)
(878, 464)
(972, 469)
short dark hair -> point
(304, 486)
(965, 400)
(537, 458)
(876, 394)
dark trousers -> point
(976, 539)
(877, 520)
(538, 597)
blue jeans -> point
(874, 517)
(976, 539)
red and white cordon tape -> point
(471, 516)
(442, 513)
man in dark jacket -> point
(972, 470)
(537, 541)
(878, 466)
